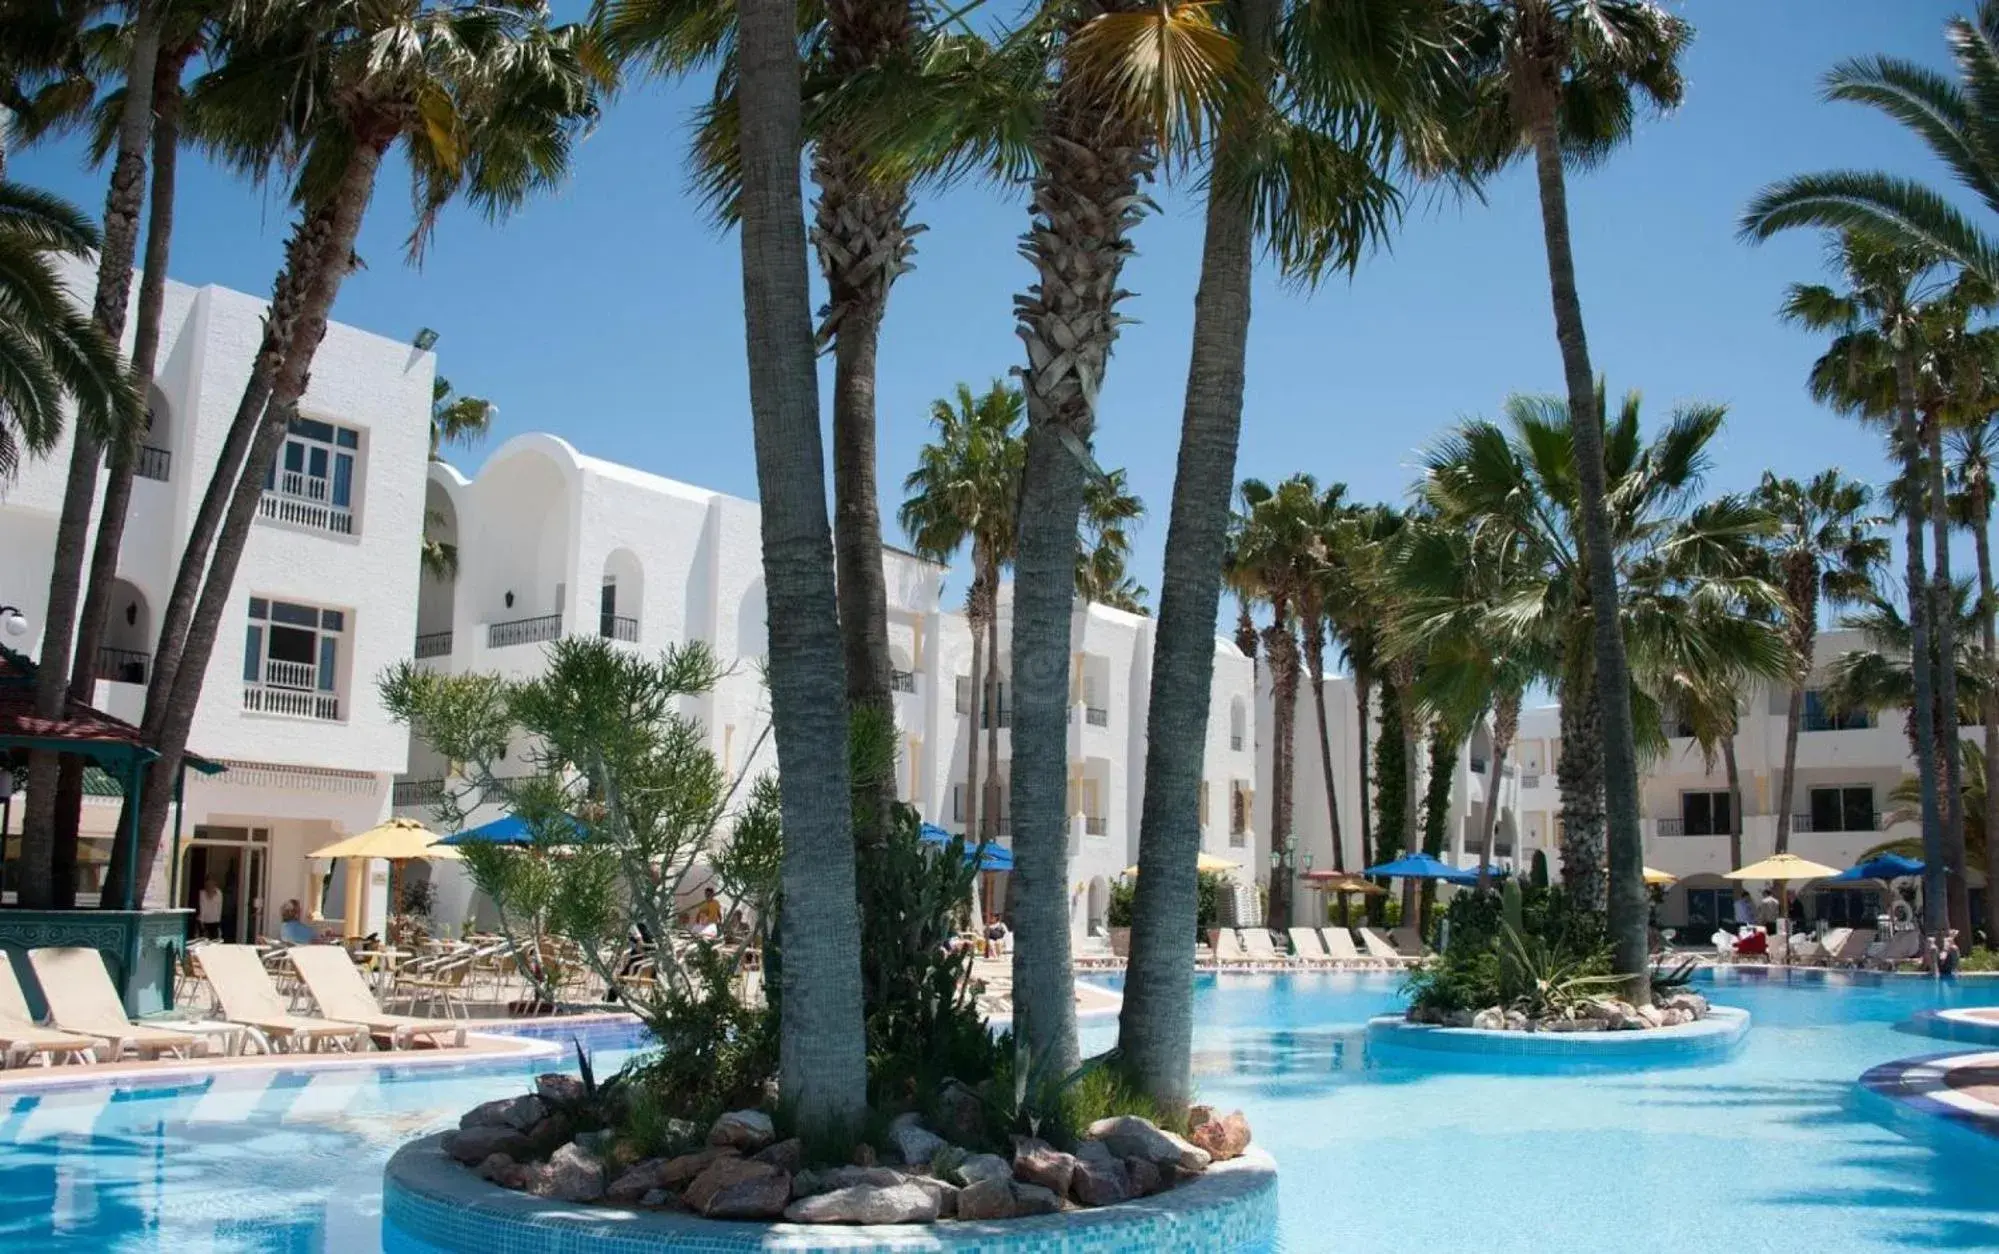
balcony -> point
(291, 689)
(152, 463)
(122, 666)
(1093, 825)
(408, 793)
(1096, 716)
(618, 627)
(1531, 779)
(433, 644)
(905, 681)
(523, 631)
(303, 501)
(1851, 822)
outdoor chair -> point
(83, 1000)
(1380, 950)
(21, 1039)
(1256, 942)
(246, 995)
(1408, 943)
(438, 986)
(1851, 950)
(343, 994)
(1229, 949)
(1339, 944)
(1306, 948)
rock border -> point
(433, 1205)
(1705, 1040)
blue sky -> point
(610, 313)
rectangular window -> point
(957, 803)
(312, 481)
(1204, 803)
(291, 659)
(1821, 716)
(1846, 809)
(1704, 813)
(964, 693)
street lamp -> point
(13, 622)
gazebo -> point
(139, 944)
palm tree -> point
(1110, 513)
(109, 306)
(455, 419)
(1328, 582)
(1354, 545)
(823, 1049)
(485, 102)
(1872, 369)
(1879, 677)
(1977, 835)
(963, 492)
(1957, 121)
(1971, 471)
(1825, 553)
(1562, 81)
(47, 78)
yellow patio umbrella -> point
(1659, 878)
(1783, 868)
(1207, 862)
(396, 842)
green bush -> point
(1207, 908)
(1980, 960)
(1558, 943)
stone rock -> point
(679, 1171)
(478, 1143)
(1491, 1019)
(499, 1169)
(744, 1130)
(661, 1199)
(1198, 1115)
(1032, 1199)
(917, 1144)
(1038, 1162)
(960, 1114)
(598, 1142)
(904, 1203)
(1131, 1137)
(1458, 1019)
(575, 1175)
(1651, 1016)
(978, 1167)
(635, 1182)
(1691, 1002)
(682, 1132)
(519, 1113)
(863, 1155)
(1223, 1138)
(721, 1174)
(1146, 1178)
(987, 1198)
(944, 1191)
(551, 1134)
(786, 1155)
(1516, 1021)
(808, 1183)
(761, 1197)
(557, 1089)
(1673, 1017)
(1099, 1177)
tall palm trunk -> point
(1908, 439)
(1315, 665)
(1579, 778)
(1280, 642)
(167, 94)
(974, 693)
(1402, 674)
(1085, 201)
(1988, 612)
(822, 1051)
(1363, 694)
(989, 813)
(1801, 589)
(1505, 727)
(37, 888)
(1156, 1023)
(1629, 909)
(1734, 801)
(1944, 629)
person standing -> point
(208, 910)
(1768, 911)
(1745, 911)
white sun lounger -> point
(1380, 950)
(20, 1037)
(343, 995)
(1229, 949)
(244, 991)
(1339, 943)
(1305, 947)
(82, 999)
(1256, 942)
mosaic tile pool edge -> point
(431, 1205)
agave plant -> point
(1552, 982)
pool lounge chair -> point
(1256, 940)
(1851, 950)
(1380, 950)
(1898, 948)
(21, 1039)
(1307, 949)
(1229, 951)
(83, 1000)
(1339, 943)
(342, 993)
(244, 991)
(1408, 944)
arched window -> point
(1238, 725)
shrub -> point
(1980, 960)
(1207, 908)
(1489, 963)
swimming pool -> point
(1764, 1151)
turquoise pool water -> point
(1765, 1151)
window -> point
(964, 691)
(1704, 814)
(610, 624)
(1204, 803)
(291, 659)
(957, 803)
(1239, 803)
(312, 481)
(1847, 907)
(1709, 908)
(1838, 810)
(1820, 716)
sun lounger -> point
(244, 991)
(1898, 948)
(21, 1039)
(83, 1000)
(1229, 949)
(1408, 944)
(337, 985)
(1851, 950)
(1256, 942)
(1339, 944)
(1380, 950)
(1827, 945)
(1306, 948)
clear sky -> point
(610, 313)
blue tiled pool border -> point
(432, 1205)
(1954, 1025)
(1903, 1095)
(1393, 1039)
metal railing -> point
(291, 702)
(433, 644)
(618, 627)
(1672, 827)
(1093, 825)
(152, 463)
(417, 792)
(282, 674)
(902, 681)
(1096, 716)
(1531, 779)
(302, 500)
(122, 666)
(1804, 823)
(1235, 742)
(523, 631)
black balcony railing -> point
(902, 681)
(122, 666)
(152, 463)
(1846, 822)
(417, 792)
(618, 627)
(1094, 825)
(523, 631)
(1096, 716)
(433, 644)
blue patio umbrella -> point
(1884, 867)
(993, 859)
(1421, 866)
(508, 829)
